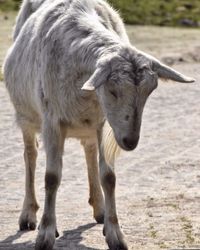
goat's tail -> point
(109, 145)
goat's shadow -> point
(9, 244)
(70, 240)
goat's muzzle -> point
(130, 143)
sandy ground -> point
(158, 185)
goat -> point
(72, 72)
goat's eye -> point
(140, 70)
(114, 94)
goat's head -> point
(123, 82)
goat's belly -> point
(83, 128)
(81, 133)
(82, 117)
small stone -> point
(168, 60)
(188, 22)
(180, 9)
(188, 6)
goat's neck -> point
(92, 50)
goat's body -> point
(50, 49)
(56, 47)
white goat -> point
(72, 72)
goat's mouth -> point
(128, 143)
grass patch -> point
(9, 5)
(159, 12)
(152, 232)
(175, 206)
(162, 245)
(1, 76)
(188, 229)
(6, 37)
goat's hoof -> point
(120, 245)
(25, 225)
(45, 240)
(98, 210)
(27, 221)
(104, 231)
(99, 218)
(56, 232)
(115, 238)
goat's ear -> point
(97, 79)
(166, 72)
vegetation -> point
(160, 12)
(148, 12)
(9, 5)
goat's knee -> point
(108, 181)
(30, 153)
(52, 181)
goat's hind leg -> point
(96, 199)
(27, 218)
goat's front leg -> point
(112, 231)
(54, 143)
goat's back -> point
(42, 61)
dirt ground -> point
(158, 185)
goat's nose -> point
(130, 143)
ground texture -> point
(158, 185)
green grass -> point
(158, 12)
(145, 12)
(188, 229)
(152, 232)
(9, 5)
(6, 37)
(1, 76)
